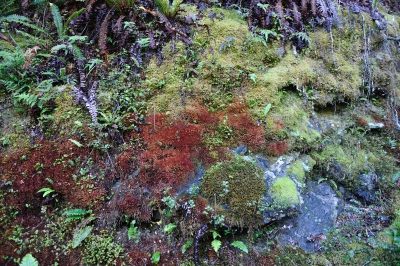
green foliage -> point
(80, 235)
(77, 143)
(186, 245)
(58, 20)
(133, 232)
(8, 7)
(169, 228)
(155, 258)
(46, 191)
(216, 244)
(240, 245)
(167, 9)
(75, 214)
(29, 260)
(266, 34)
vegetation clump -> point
(236, 187)
(284, 192)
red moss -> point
(361, 122)
(277, 148)
(30, 171)
(279, 124)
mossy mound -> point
(236, 187)
(284, 192)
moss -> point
(284, 193)
(236, 186)
(300, 167)
(66, 114)
(101, 250)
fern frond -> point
(163, 6)
(175, 7)
(57, 18)
(73, 16)
(14, 18)
(34, 27)
(76, 51)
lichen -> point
(284, 192)
(236, 186)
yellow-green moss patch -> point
(284, 193)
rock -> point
(318, 215)
(366, 187)
(376, 125)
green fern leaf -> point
(216, 244)
(14, 18)
(57, 18)
(80, 212)
(240, 245)
(29, 260)
(73, 16)
(186, 245)
(77, 143)
(77, 52)
(81, 235)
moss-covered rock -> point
(237, 187)
(284, 192)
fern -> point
(166, 9)
(29, 260)
(76, 212)
(304, 37)
(73, 16)
(240, 245)
(81, 235)
(216, 244)
(57, 18)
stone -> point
(318, 215)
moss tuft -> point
(236, 186)
(284, 193)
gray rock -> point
(366, 187)
(317, 216)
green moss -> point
(300, 167)
(236, 186)
(101, 250)
(284, 193)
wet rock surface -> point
(317, 215)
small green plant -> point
(133, 232)
(216, 243)
(82, 231)
(168, 9)
(240, 245)
(29, 260)
(155, 258)
(169, 228)
(46, 191)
